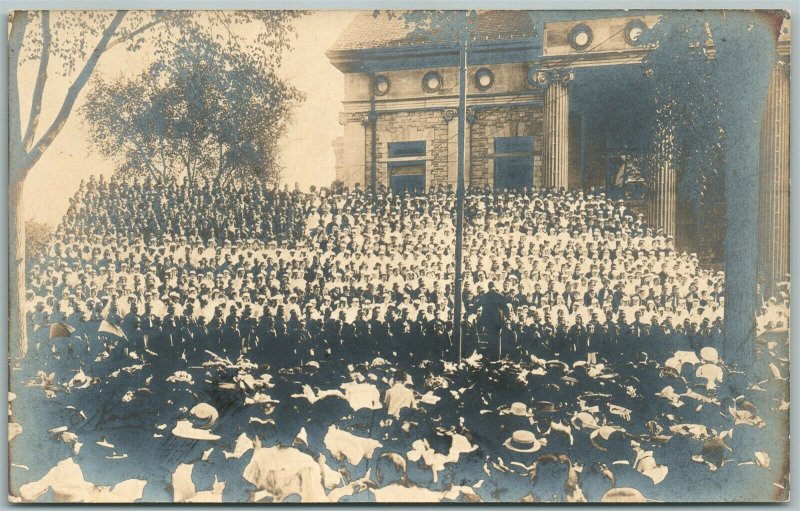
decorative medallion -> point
(580, 37)
(484, 78)
(432, 81)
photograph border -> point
(10, 5)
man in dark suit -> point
(493, 314)
(538, 297)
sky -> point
(306, 152)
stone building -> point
(552, 101)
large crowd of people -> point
(166, 265)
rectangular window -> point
(403, 149)
(513, 163)
(504, 145)
(407, 167)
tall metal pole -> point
(373, 123)
(462, 121)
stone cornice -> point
(526, 96)
(408, 57)
(597, 58)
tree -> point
(337, 186)
(72, 43)
(37, 235)
(713, 71)
(201, 113)
(688, 104)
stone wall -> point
(427, 125)
(440, 139)
(495, 122)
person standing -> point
(494, 310)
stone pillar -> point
(662, 187)
(555, 153)
(354, 168)
(773, 200)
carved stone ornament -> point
(451, 113)
(543, 77)
(362, 117)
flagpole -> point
(462, 120)
(373, 127)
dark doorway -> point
(407, 167)
(407, 177)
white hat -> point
(623, 495)
(709, 354)
(518, 409)
(524, 441)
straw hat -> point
(205, 412)
(80, 380)
(185, 429)
(524, 441)
(670, 395)
(709, 354)
(518, 409)
(623, 495)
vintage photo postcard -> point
(398, 256)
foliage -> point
(204, 111)
(72, 32)
(688, 129)
(71, 43)
(37, 235)
(442, 27)
(739, 48)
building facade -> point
(552, 101)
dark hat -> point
(546, 407)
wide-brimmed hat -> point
(546, 407)
(80, 380)
(553, 364)
(185, 429)
(624, 496)
(709, 354)
(517, 408)
(524, 441)
(594, 398)
(671, 396)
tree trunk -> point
(23, 155)
(745, 45)
(17, 329)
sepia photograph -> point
(398, 256)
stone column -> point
(773, 200)
(661, 200)
(354, 167)
(555, 153)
